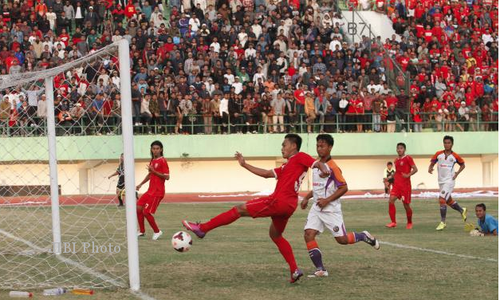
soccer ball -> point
(182, 241)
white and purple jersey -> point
(325, 187)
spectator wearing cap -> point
(91, 17)
(77, 112)
(237, 85)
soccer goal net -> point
(62, 131)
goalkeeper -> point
(488, 225)
(120, 186)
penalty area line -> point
(436, 251)
(78, 265)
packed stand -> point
(252, 66)
(449, 49)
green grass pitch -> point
(239, 261)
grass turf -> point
(239, 261)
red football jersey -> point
(290, 176)
(157, 184)
(403, 166)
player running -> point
(326, 209)
(446, 160)
(120, 185)
(148, 203)
(405, 168)
(280, 205)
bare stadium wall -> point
(205, 164)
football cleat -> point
(319, 273)
(194, 227)
(370, 240)
(441, 226)
(464, 214)
(391, 225)
(409, 226)
(157, 235)
(296, 276)
(139, 234)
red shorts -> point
(403, 193)
(279, 210)
(149, 202)
(271, 207)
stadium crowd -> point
(213, 66)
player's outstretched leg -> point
(276, 233)
(225, 218)
(392, 212)
(409, 214)
(314, 253)
(442, 210)
(455, 206)
(354, 237)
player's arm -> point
(493, 233)
(414, 170)
(431, 166)
(257, 171)
(146, 179)
(305, 201)
(434, 160)
(325, 172)
(341, 190)
(462, 167)
(114, 174)
(159, 174)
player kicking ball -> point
(405, 168)
(149, 202)
(326, 211)
(279, 206)
(446, 160)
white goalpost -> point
(60, 225)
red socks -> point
(409, 214)
(140, 219)
(392, 212)
(152, 222)
(224, 218)
(287, 252)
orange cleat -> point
(409, 226)
(391, 225)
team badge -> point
(336, 229)
(443, 192)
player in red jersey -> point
(280, 205)
(405, 168)
(148, 203)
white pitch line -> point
(437, 251)
(85, 269)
